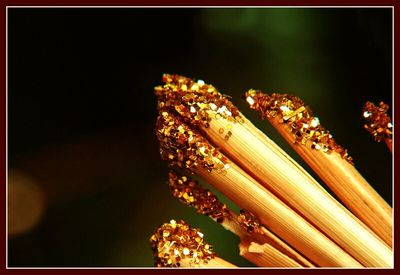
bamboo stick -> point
(190, 193)
(261, 254)
(274, 241)
(303, 133)
(351, 188)
(245, 226)
(275, 215)
(291, 185)
(183, 146)
(204, 107)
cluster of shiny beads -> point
(291, 110)
(176, 241)
(378, 121)
(185, 148)
(190, 193)
(249, 222)
(197, 102)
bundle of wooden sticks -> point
(288, 218)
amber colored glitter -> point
(378, 121)
(185, 148)
(190, 193)
(174, 241)
(291, 110)
(249, 223)
(186, 108)
(196, 102)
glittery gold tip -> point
(197, 102)
(190, 193)
(185, 148)
(378, 121)
(249, 223)
(176, 241)
(291, 110)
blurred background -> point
(86, 185)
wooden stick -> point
(190, 193)
(336, 171)
(272, 240)
(206, 109)
(273, 245)
(262, 254)
(348, 184)
(183, 146)
(245, 226)
(280, 219)
(275, 253)
(278, 174)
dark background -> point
(81, 113)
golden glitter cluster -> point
(185, 148)
(174, 242)
(249, 222)
(184, 107)
(193, 101)
(190, 193)
(292, 111)
(306, 226)
(378, 121)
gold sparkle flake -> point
(185, 148)
(180, 242)
(186, 109)
(194, 101)
(190, 193)
(249, 223)
(304, 126)
(378, 121)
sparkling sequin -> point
(378, 121)
(250, 100)
(190, 193)
(249, 222)
(174, 97)
(181, 242)
(185, 148)
(186, 109)
(305, 127)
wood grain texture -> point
(347, 183)
(265, 255)
(278, 173)
(247, 193)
